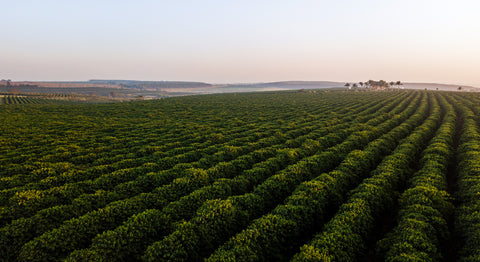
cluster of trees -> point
(276, 175)
(374, 85)
(345, 236)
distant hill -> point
(149, 85)
(284, 85)
(305, 84)
(55, 84)
(293, 84)
(444, 87)
(287, 85)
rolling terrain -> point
(123, 90)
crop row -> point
(11, 99)
(345, 236)
(422, 230)
(467, 215)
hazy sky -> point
(241, 40)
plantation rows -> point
(8, 98)
(275, 176)
(12, 99)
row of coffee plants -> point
(13, 99)
(425, 206)
(344, 237)
(467, 222)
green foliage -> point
(345, 236)
(467, 214)
(239, 177)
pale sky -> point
(222, 41)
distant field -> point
(51, 98)
(131, 89)
(22, 99)
(270, 176)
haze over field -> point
(241, 41)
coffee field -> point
(273, 176)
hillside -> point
(443, 87)
(117, 89)
(150, 85)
